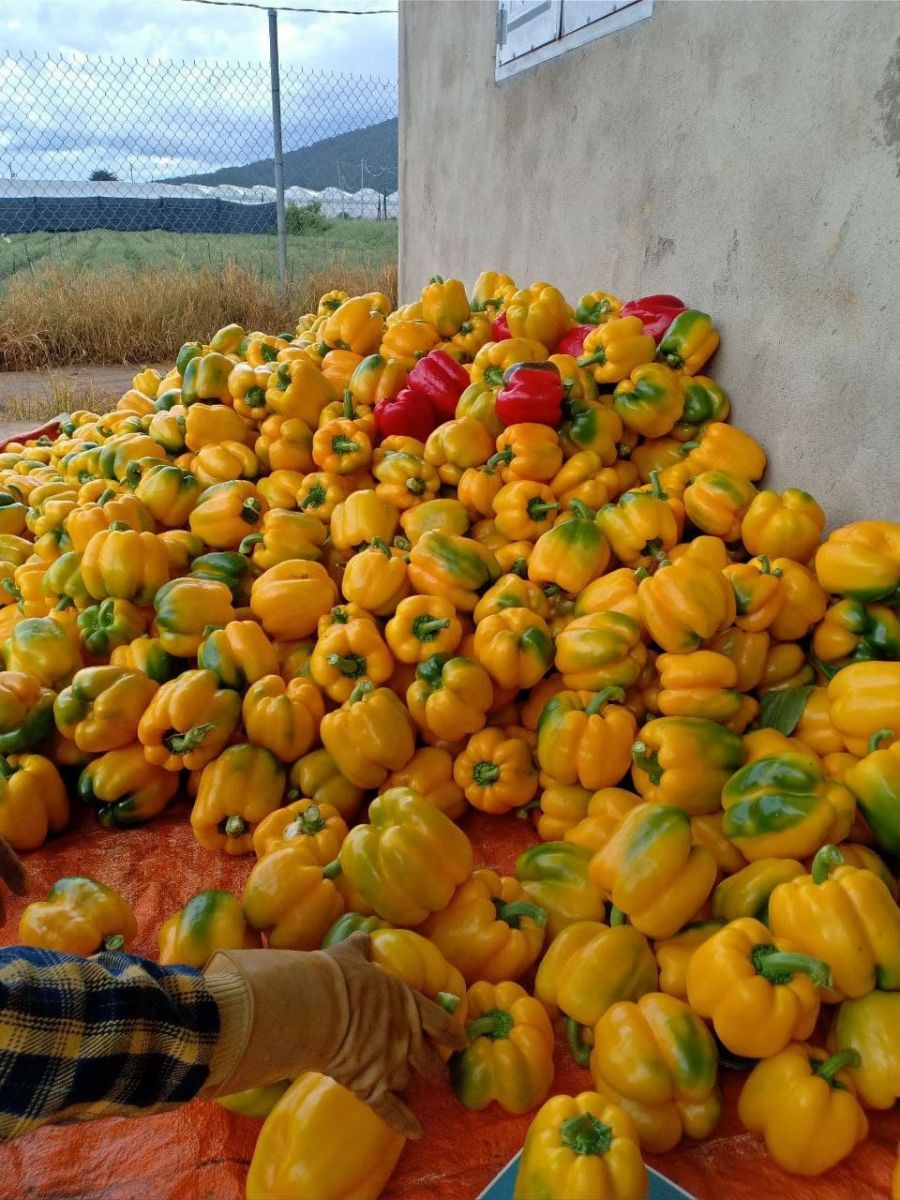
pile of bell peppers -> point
(489, 553)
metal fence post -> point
(278, 153)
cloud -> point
(181, 87)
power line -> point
(321, 12)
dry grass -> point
(50, 317)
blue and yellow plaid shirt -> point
(91, 1037)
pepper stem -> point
(537, 508)
(647, 760)
(113, 942)
(425, 627)
(687, 447)
(829, 1068)
(448, 1002)
(182, 743)
(877, 738)
(378, 543)
(599, 356)
(251, 540)
(824, 862)
(250, 511)
(520, 568)
(616, 917)
(332, 870)
(362, 689)
(495, 1024)
(514, 912)
(235, 826)
(604, 697)
(351, 665)
(343, 445)
(580, 509)
(485, 773)
(309, 822)
(780, 966)
(585, 1134)
(314, 498)
(641, 573)
(6, 771)
(656, 487)
(581, 1052)
(415, 485)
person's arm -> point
(114, 1035)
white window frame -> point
(627, 12)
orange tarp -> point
(201, 1152)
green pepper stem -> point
(6, 771)
(537, 508)
(826, 859)
(877, 738)
(581, 510)
(585, 1134)
(656, 487)
(599, 356)
(362, 689)
(501, 458)
(119, 526)
(63, 603)
(485, 773)
(829, 1068)
(235, 826)
(250, 511)
(641, 573)
(448, 1002)
(425, 627)
(765, 567)
(381, 545)
(520, 568)
(402, 543)
(552, 589)
(647, 760)
(495, 1024)
(604, 697)
(348, 409)
(780, 966)
(343, 445)
(251, 540)
(687, 447)
(415, 485)
(332, 870)
(581, 1052)
(616, 916)
(493, 376)
(623, 450)
(314, 498)
(113, 942)
(351, 665)
(515, 911)
(182, 743)
(309, 823)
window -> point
(532, 31)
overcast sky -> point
(147, 119)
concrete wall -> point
(745, 156)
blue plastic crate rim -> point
(501, 1186)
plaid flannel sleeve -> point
(105, 1036)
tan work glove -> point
(285, 1012)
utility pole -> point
(278, 156)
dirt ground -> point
(28, 398)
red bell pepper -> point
(440, 381)
(500, 328)
(657, 313)
(407, 414)
(531, 392)
(572, 342)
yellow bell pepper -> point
(421, 627)
(370, 735)
(717, 502)
(599, 650)
(26, 712)
(289, 599)
(555, 876)
(539, 313)
(317, 777)
(852, 631)
(785, 525)
(102, 706)
(347, 653)
(651, 401)
(864, 700)
(845, 916)
(449, 697)
(492, 291)
(319, 829)
(674, 954)
(446, 564)
(430, 773)
(674, 878)
(509, 1058)
(226, 513)
(685, 761)
(355, 326)
(376, 579)
(805, 1105)
(527, 451)
(759, 992)
(496, 772)
(291, 897)
(375, 378)
(79, 916)
(299, 389)
(600, 817)
(474, 332)
(408, 860)
(362, 517)
(514, 646)
(640, 526)
(581, 1148)
(210, 921)
(457, 445)
(33, 800)
(188, 721)
(405, 479)
(124, 564)
(489, 930)
(283, 717)
(445, 305)
(237, 790)
(586, 739)
(298, 1157)
(406, 341)
(700, 684)
(861, 561)
(657, 1059)
(613, 350)
(725, 448)
(689, 600)
(596, 308)
(869, 1027)
(43, 648)
(341, 446)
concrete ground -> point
(28, 398)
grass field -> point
(351, 243)
(107, 297)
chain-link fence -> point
(187, 148)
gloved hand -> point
(12, 873)
(330, 1011)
